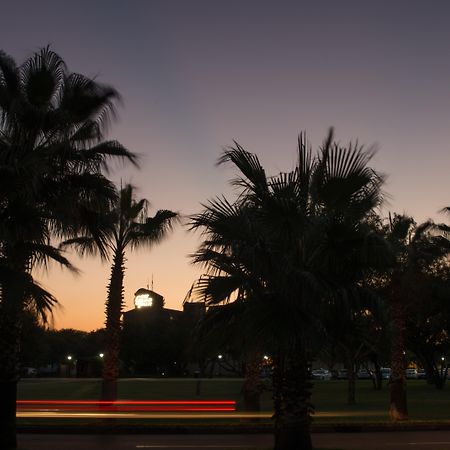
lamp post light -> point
(101, 355)
(220, 356)
(69, 366)
(443, 368)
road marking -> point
(428, 443)
(192, 446)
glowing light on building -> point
(143, 301)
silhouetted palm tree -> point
(52, 151)
(415, 248)
(124, 226)
(281, 249)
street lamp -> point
(101, 355)
(219, 356)
(69, 365)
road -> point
(423, 440)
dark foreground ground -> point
(427, 440)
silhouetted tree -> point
(125, 225)
(52, 151)
(415, 249)
(280, 249)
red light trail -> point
(129, 405)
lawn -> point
(329, 397)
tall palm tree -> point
(52, 151)
(124, 226)
(282, 248)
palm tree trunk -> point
(398, 409)
(10, 328)
(292, 393)
(114, 305)
(9, 375)
(377, 378)
(351, 381)
(251, 388)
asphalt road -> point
(423, 440)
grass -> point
(425, 402)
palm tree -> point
(124, 226)
(415, 249)
(281, 249)
(52, 151)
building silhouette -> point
(156, 339)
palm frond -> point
(9, 74)
(41, 301)
(108, 149)
(44, 253)
(43, 75)
(254, 177)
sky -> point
(194, 75)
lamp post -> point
(69, 366)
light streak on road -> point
(53, 414)
(153, 409)
(127, 405)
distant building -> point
(149, 305)
(156, 339)
(146, 298)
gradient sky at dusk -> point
(194, 75)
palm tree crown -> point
(52, 151)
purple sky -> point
(194, 75)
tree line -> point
(296, 259)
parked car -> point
(29, 371)
(411, 374)
(364, 374)
(385, 373)
(321, 374)
(421, 374)
(342, 374)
